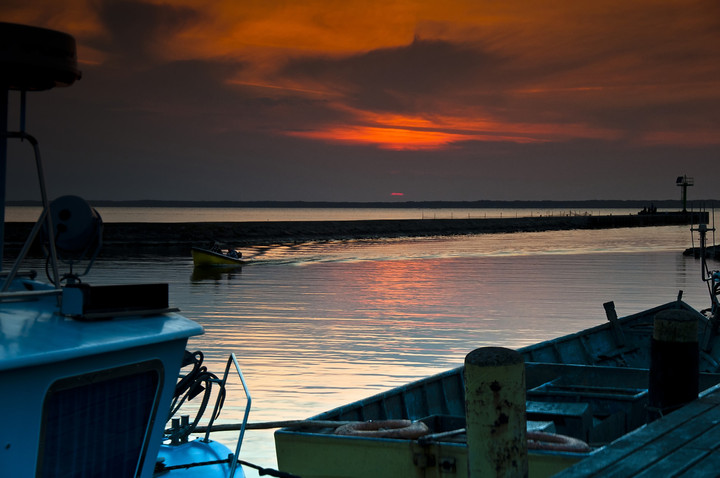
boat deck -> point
(684, 443)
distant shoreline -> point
(176, 239)
(480, 204)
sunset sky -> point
(365, 100)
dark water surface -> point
(318, 325)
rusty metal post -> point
(495, 413)
(674, 362)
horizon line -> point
(618, 203)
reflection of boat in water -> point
(216, 257)
(214, 273)
(590, 386)
(95, 368)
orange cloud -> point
(384, 138)
(403, 132)
(401, 139)
(267, 33)
(486, 127)
(564, 71)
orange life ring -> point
(555, 442)
(402, 429)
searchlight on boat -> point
(77, 232)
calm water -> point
(318, 325)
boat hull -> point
(197, 451)
(207, 258)
(595, 404)
(325, 456)
(591, 385)
(128, 365)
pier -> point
(683, 443)
(175, 239)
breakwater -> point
(175, 239)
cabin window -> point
(97, 424)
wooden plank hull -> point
(623, 343)
(605, 368)
(325, 456)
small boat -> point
(92, 373)
(216, 257)
(591, 386)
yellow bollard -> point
(495, 413)
(674, 362)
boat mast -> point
(31, 59)
(3, 161)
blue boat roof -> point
(33, 332)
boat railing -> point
(30, 64)
(24, 295)
(232, 360)
(203, 382)
(45, 218)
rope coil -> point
(555, 442)
(401, 429)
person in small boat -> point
(234, 254)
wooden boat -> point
(591, 386)
(215, 258)
(625, 342)
(90, 373)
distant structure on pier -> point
(684, 182)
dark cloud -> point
(394, 78)
(135, 29)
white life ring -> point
(402, 429)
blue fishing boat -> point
(90, 374)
